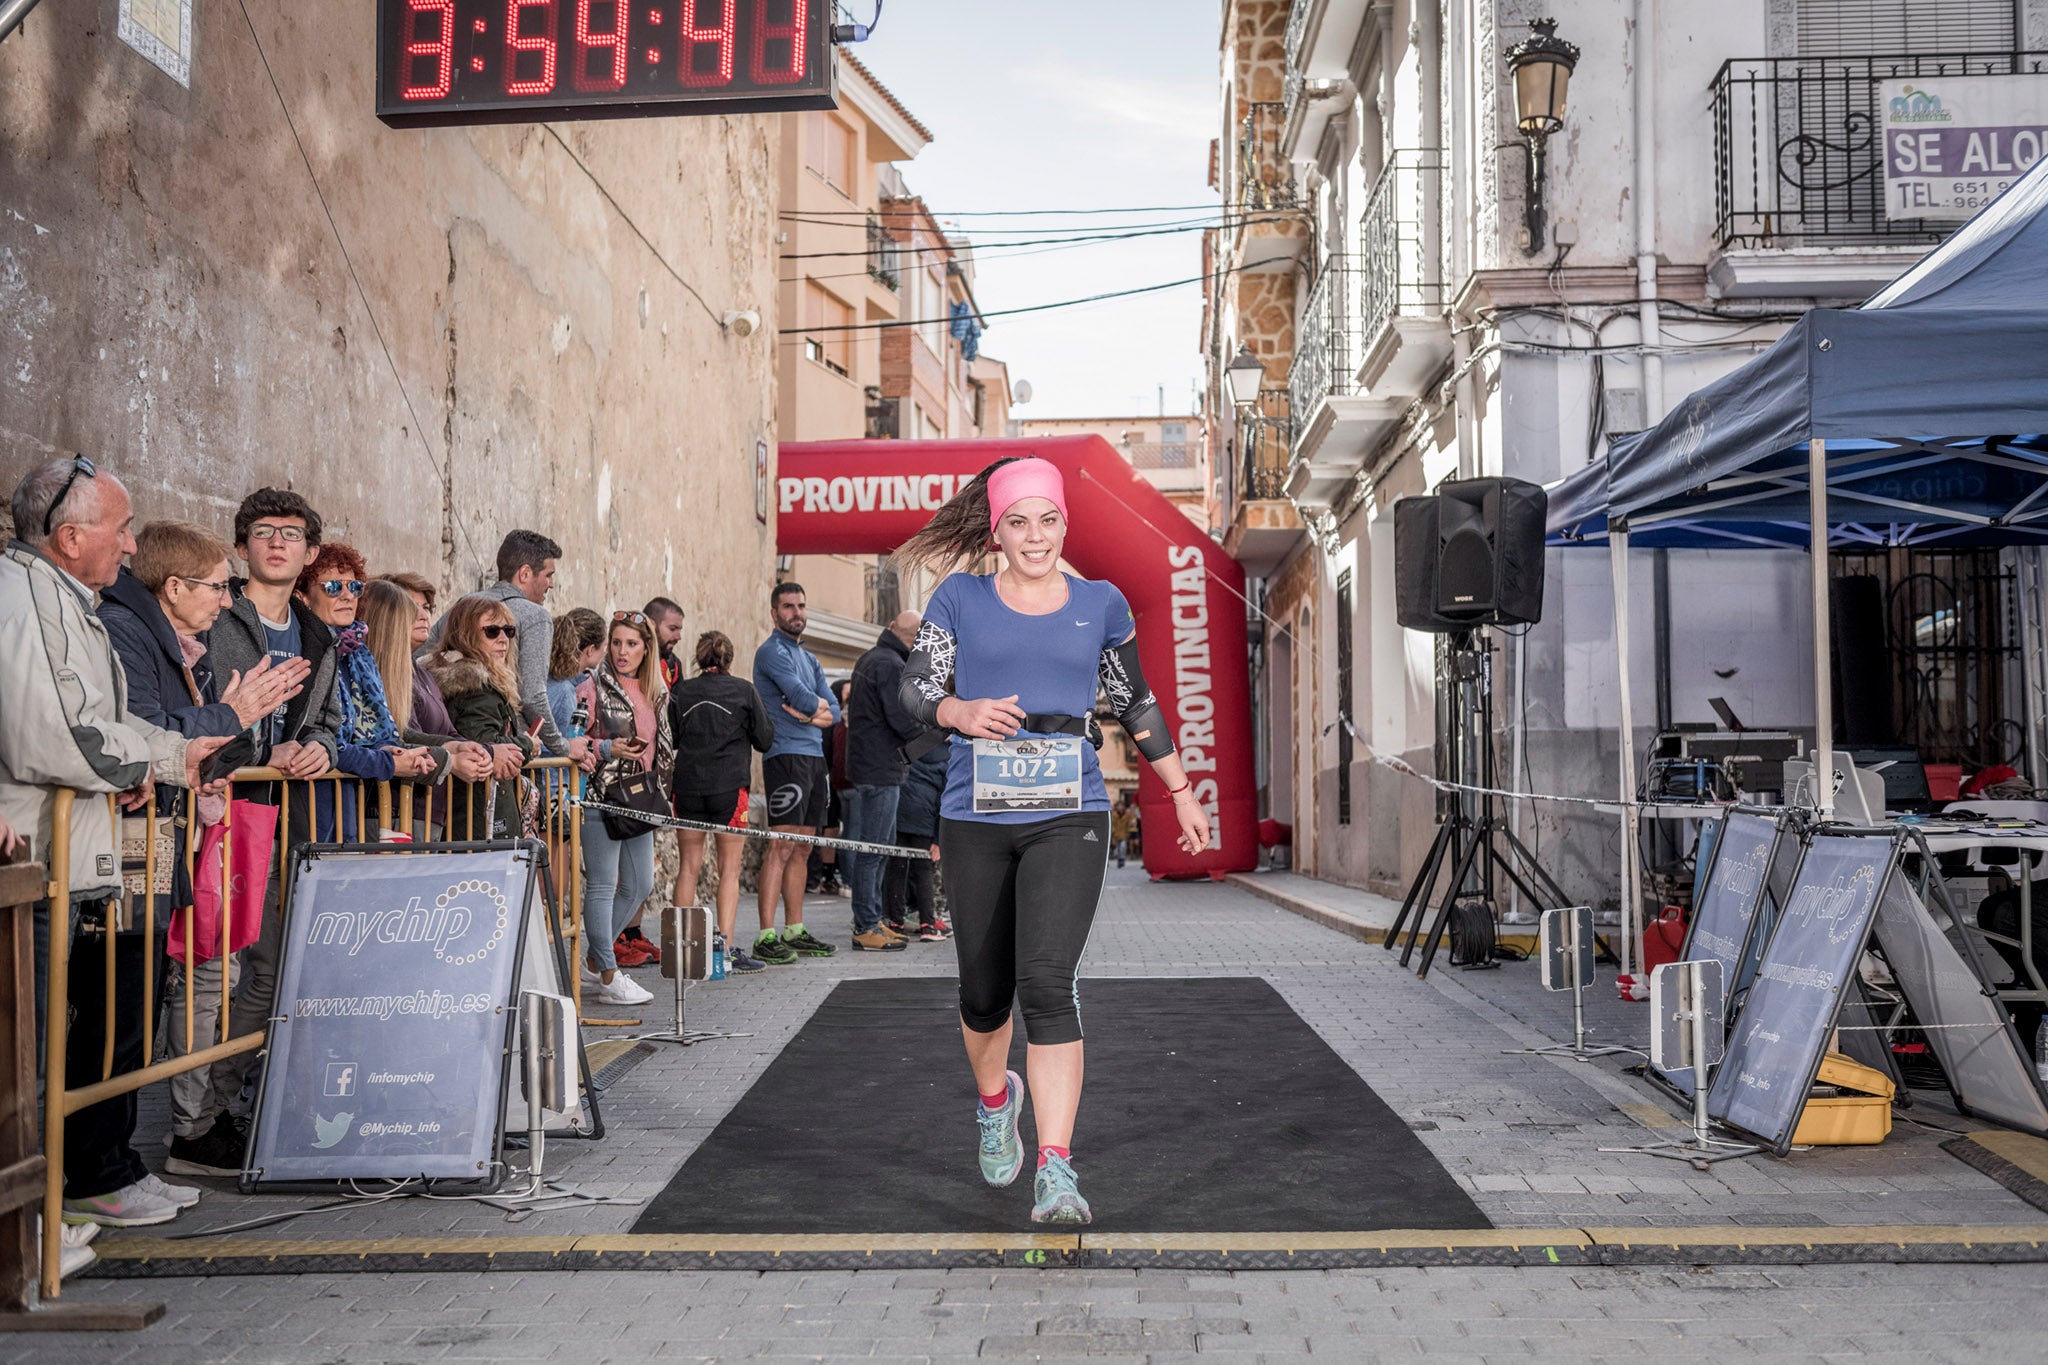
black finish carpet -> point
(1210, 1106)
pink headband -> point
(1030, 477)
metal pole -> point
(12, 12)
(1823, 670)
(1631, 896)
(1696, 1025)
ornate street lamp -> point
(1542, 67)
(1245, 374)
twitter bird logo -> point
(332, 1130)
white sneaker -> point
(623, 990)
(73, 1255)
(131, 1206)
(184, 1196)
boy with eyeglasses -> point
(277, 534)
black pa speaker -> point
(1472, 555)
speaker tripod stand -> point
(1478, 845)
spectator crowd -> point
(148, 662)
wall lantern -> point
(1542, 67)
(1246, 374)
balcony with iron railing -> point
(1264, 179)
(1398, 269)
(1269, 229)
(1327, 343)
(1295, 43)
(1799, 177)
(1262, 526)
(885, 256)
(1372, 333)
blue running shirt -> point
(1050, 663)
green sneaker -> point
(1002, 1156)
(805, 945)
(1058, 1200)
(773, 950)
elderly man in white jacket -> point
(65, 723)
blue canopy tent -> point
(1915, 419)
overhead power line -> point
(798, 334)
(950, 248)
(1029, 213)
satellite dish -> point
(1022, 393)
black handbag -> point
(638, 790)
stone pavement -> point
(1522, 1133)
(1811, 1313)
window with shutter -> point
(1841, 28)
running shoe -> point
(1058, 1201)
(629, 952)
(184, 1196)
(804, 945)
(739, 961)
(622, 990)
(895, 926)
(772, 950)
(935, 932)
(1002, 1155)
(131, 1206)
(878, 940)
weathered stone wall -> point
(479, 328)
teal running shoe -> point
(1002, 1155)
(1058, 1200)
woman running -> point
(1010, 664)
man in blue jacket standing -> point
(791, 682)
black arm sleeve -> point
(928, 675)
(1131, 700)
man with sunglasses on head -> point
(66, 724)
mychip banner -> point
(388, 1053)
(1806, 971)
(1952, 144)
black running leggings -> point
(1023, 898)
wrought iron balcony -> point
(1265, 180)
(1326, 338)
(1397, 265)
(1297, 38)
(1264, 440)
(1797, 147)
(885, 256)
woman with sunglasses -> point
(480, 686)
(390, 621)
(628, 705)
(371, 747)
(1010, 664)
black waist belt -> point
(1084, 726)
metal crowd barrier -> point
(394, 809)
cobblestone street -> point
(1521, 1133)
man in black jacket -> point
(876, 728)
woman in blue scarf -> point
(370, 747)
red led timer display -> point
(472, 61)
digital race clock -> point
(531, 61)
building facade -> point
(1416, 321)
(880, 331)
(1170, 453)
(436, 335)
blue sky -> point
(1065, 104)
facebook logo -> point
(341, 1080)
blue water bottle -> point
(717, 957)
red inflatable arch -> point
(868, 497)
